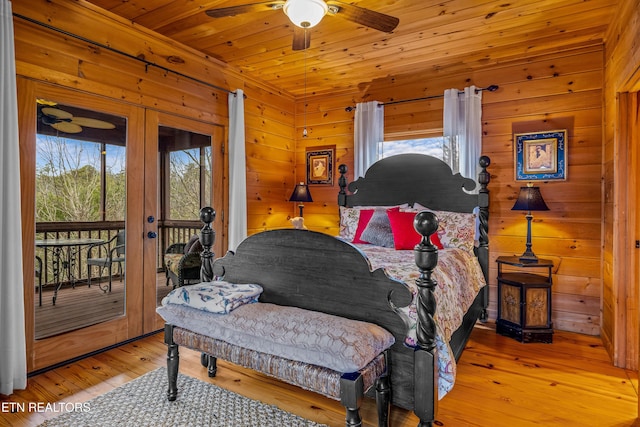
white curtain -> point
(462, 123)
(368, 136)
(237, 171)
(13, 358)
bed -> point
(415, 182)
(332, 274)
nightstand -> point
(524, 299)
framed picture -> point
(320, 166)
(541, 156)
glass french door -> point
(82, 159)
(101, 203)
(184, 168)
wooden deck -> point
(500, 383)
(83, 306)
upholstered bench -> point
(330, 355)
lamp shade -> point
(301, 193)
(530, 199)
(305, 13)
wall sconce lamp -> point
(301, 194)
(529, 200)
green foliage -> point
(68, 181)
(68, 185)
(185, 193)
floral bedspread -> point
(459, 279)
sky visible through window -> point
(429, 146)
(56, 152)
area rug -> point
(143, 402)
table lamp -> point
(301, 194)
(529, 200)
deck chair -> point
(114, 251)
(38, 272)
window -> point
(80, 165)
(190, 181)
(431, 146)
(187, 158)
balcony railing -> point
(169, 232)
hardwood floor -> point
(501, 382)
(83, 306)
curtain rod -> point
(490, 88)
(111, 49)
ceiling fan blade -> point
(92, 123)
(42, 101)
(245, 8)
(57, 113)
(67, 127)
(367, 17)
(301, 38)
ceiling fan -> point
(308, 13)
(65, 122)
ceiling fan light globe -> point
(305, 13)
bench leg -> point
(351, 393)
(383, 394)
(210, 363)
(383, 400)
(173, 360)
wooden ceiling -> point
(438, 35)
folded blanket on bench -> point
(215, 297)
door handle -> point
(152, 234)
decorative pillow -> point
(457, 229)
(363, 220)
(476, 213)
(378, 231)
(215, 297)
(350, 218)
(405, 235)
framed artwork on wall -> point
(320, 165)
(540, 156)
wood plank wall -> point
(620, 176)
(48, 56)
(562, 90)
(542, 92)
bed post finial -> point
(342, 183)
(207, 236)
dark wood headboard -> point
(427, 180)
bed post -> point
(483, 248)
(207, 236)
(425, 356)
(342, 183)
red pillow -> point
(363, 221)
(404, 235)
